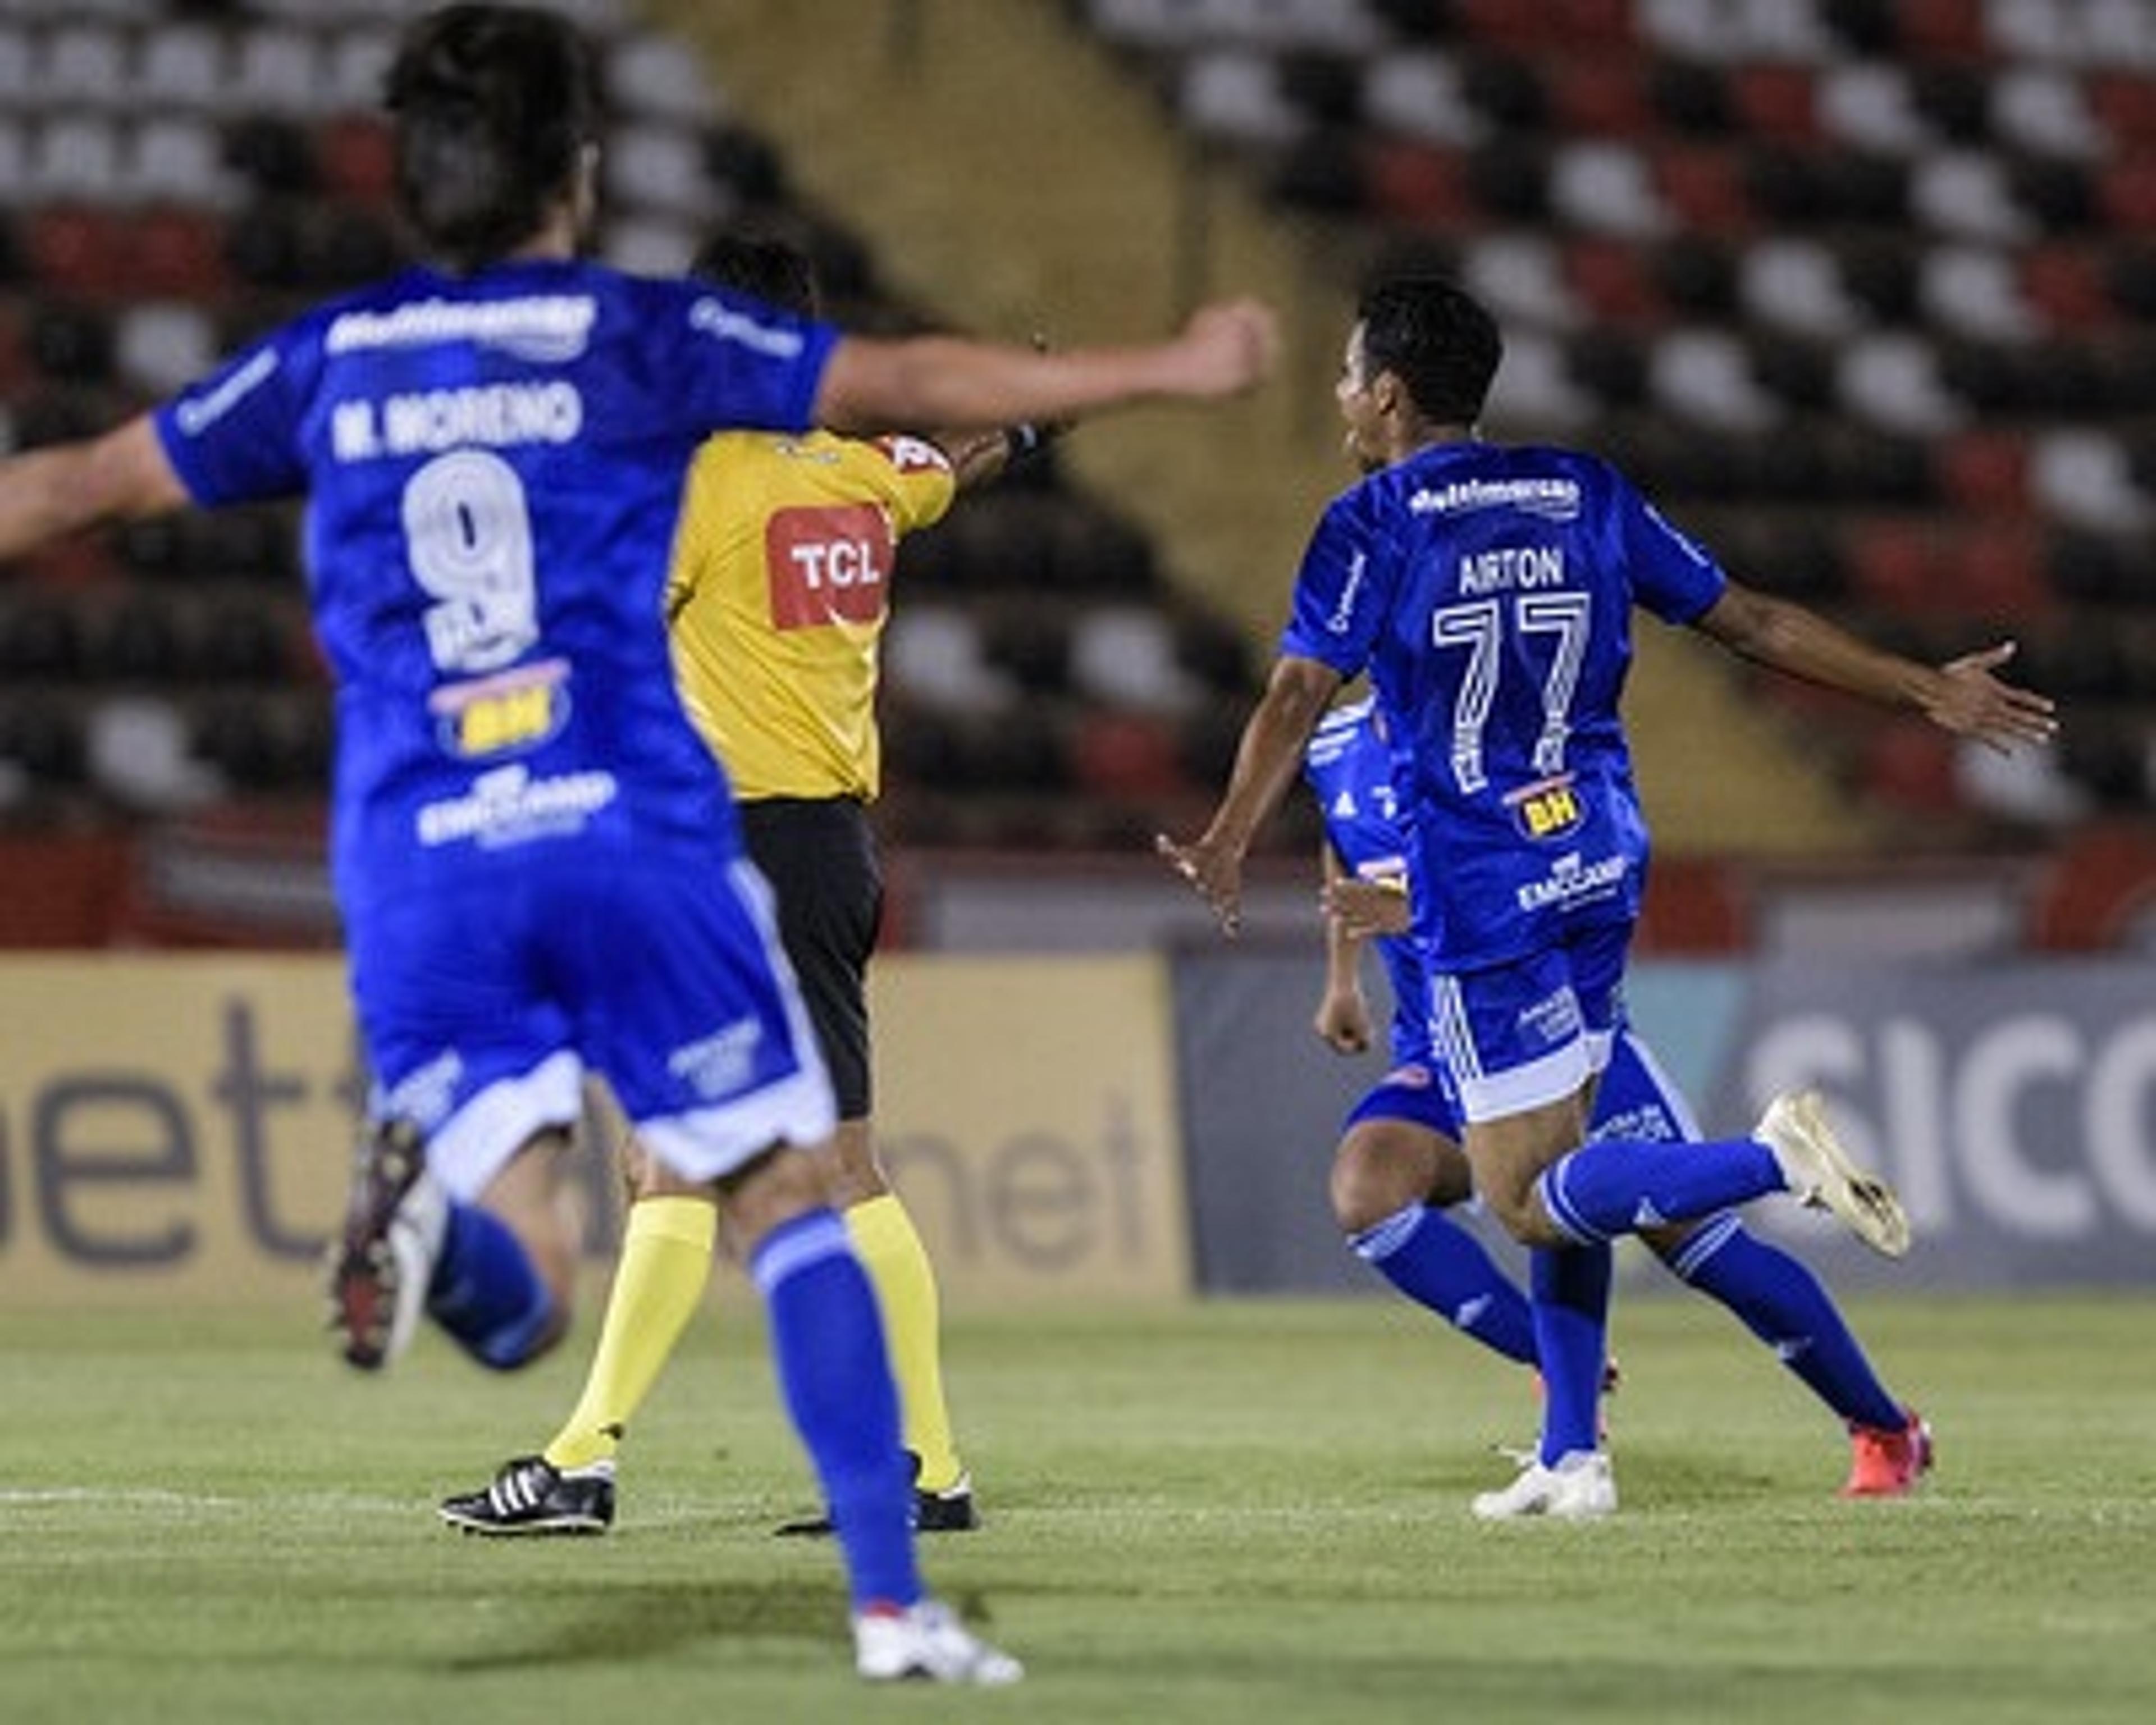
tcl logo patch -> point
(828, 565)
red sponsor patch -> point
(828, 565)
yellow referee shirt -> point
(779, 592)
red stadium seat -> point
(1603, 96)
(1893, 565)
(1704, 185)
(1909, 765)
(2125, 105)
(176, 254)
(1549, 24)
(357, 159)
(1776, 102)
(1126, 754)
(1614, 278)
(1986, 472)
(1997, 573)
(1416, 186)
(2068, 285)
(77, 251)
(2127, 192)
(1950, 29)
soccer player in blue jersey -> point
(1399, 1166)
(1488, 592)
(535, 855)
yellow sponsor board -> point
(1026, 1109)
(175, 1129)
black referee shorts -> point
(820, 857)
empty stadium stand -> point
(174, 178)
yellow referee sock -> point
(897, 1263)
(665, 1262)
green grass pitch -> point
(1249, 1512)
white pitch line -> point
(152, 1497)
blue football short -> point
(1518, 1036)
(483, 1005)
(1635, 1099)
(1418, 1092)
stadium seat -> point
(2040, 108)
(180, 65)
(1096, 554)
(1891, 382)
(1233, 96)
(1216, 652)
(1334, 173)
(40, 640)
(1030, 644)
(177, 253)
(647, 75)
(82, 64)
(241, 643)
(357, 160)
(1705, 379)
(71, 342)
(1553, 27)
(1421, 95)
(934, 655)
(1909, 765)
(1535, 391)
(278, 72)
(1600, 95)
(2066, 286)
(162, 346)
(1022, 750)
(144, 644)
(1773, 100)
(1985, 471)
(1524, 278)
(43, 737)
(1127, 755)
(661, 168)
(1705, 187)
(1123, 656)
(2083, 478)
(1603, 187)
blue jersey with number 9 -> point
(493, 469)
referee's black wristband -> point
(1022, 441)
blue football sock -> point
(827, 1343)
(487, 1293)
(1437, 1263)
(1615, 1185)
(1571, 1310)
(1781, 1302)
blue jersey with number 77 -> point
(1488, 593)
(493, 467)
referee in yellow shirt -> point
(776, 605)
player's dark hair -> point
(493, 105)
(1437, 339)
(762, 266)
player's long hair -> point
(1437, 339)
(764, 266)
(494, 105)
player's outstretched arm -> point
(48, 493)
(1961, 696)
(1267, 759)
(873, 385)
